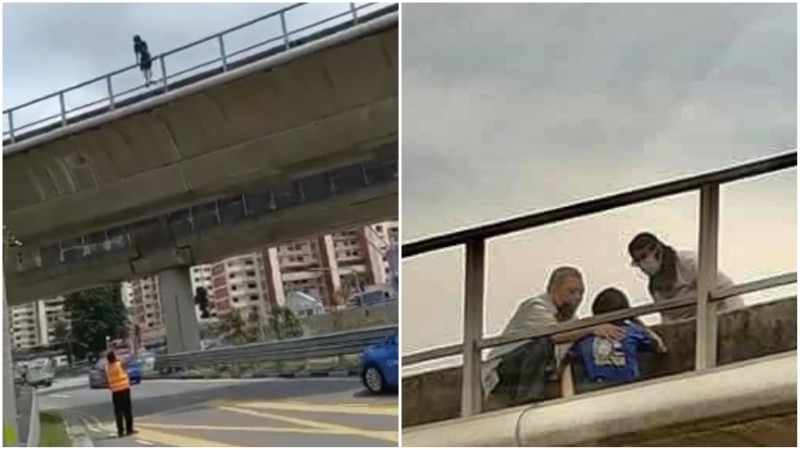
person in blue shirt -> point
(599, 362)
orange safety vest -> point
(117, 377)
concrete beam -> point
(368, 205)
(327, 105)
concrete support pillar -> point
(330, 269)
(10, 429)
(177, 301)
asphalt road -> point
(310, 412)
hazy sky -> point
(48, 47)
(512, 109)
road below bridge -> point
(305, 412)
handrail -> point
(705, 299)
(566, 327)
(160, 83)
(598, 205)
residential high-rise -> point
(34, 324)
(330, 267)
(237, 284)
(142, 299)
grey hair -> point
(560, 274)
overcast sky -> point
(48, 47)
(512, 109)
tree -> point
(63, 338)
(292, 328)
(201, 300)
(284, 324)
(96, 314)
(234, 327)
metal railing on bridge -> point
(324, 346)
(115, 97)
(706, 297)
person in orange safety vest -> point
(120, 388)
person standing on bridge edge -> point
(120, 388)
(143, 58)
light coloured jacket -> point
(686, 283)
(532, 315)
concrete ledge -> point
(757, 331)
(728, 395)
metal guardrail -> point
(115, 97)
(28, 421)
(705, 299)
(34, 423)
(324, 346)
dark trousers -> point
(524, 372)
(123, 410)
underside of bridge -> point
(327, 108)
(337, 199)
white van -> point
(40, 372)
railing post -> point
(354, 11)
(110, 90)
(473, 327)
(11, 124)
(285, 31)
(706, 333)
(163, 73)
(63, 108)
(222, 53)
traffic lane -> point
(149, 397)
(93, 406)
(319, 420)
(196, 405)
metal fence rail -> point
(324, 346)
(706, 298)
(34, 423)
(164, 80)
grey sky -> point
(48, 47)
(509, 109)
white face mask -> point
(650, 264)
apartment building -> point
(330, 266)
(142, 299)
(34, 324)
(237, 284)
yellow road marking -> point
(239, 428)
(331, 428)
(176, 440)
(367, 410)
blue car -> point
(379, 370)
(97, 376)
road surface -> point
(310, 412)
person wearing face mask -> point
(518, 372)
(672, 274)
